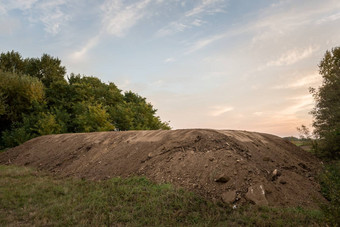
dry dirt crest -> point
(232, 166)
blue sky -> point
(224, 64)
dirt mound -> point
(232, 166)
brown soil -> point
(236, 167)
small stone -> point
(275, 174)
(211, 159)
(222, 179)
(256, 194)
(228, 197)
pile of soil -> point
(235, 167)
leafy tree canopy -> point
(36, 99)
(327, 110)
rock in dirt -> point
(257, 195)
(229, 197)
(189, 158)
(275, 174)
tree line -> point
(327, 109)
(36, 99)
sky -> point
(221, 64)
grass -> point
(29, 197)
(306, 145)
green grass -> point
(306, 145)
(30, 197)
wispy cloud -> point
(77, 55)
(19, 4)
(302, 82)
(292, 56)
(193, 17)
(168, 60)
(171, 28)
(119, 18)
(52, 16)
(204, 42)
(49, 13)
(332, 17)
(219, 110)
(198, 22)
(299, 103)
(205, 6)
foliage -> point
(36, 99)
(18, 93)
(327, 110)
(330, 188)
(92, 118)
(47, 69)
(12, 62)
(30, 197)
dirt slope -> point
(233, 166)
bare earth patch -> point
(235, 167)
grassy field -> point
(30, 197)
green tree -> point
(18, 93)
(36, 99)
(47, 68)
(327, 110)
(92, 118)
(12, 62)
(47, 124)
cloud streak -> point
(49, 13)
(193, 17)
(219, 110)
(292, 56)
(302, 82)
(80, 54)
(205, 6)
(300, 103)
(202, 43)
(119, 18)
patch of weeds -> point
(34, 198)
(30, 197)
